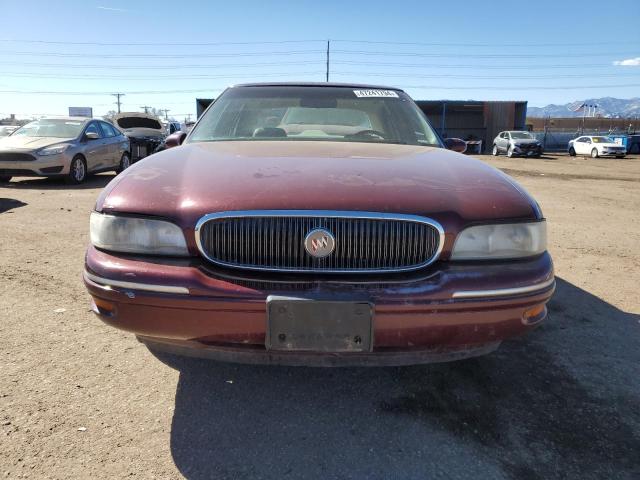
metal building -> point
(474, 120)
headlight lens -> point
(516, 240)
(137, 235)
(53, 150)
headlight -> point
(137, 235)
(516, 240)
(53, 150)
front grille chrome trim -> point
(328, 214)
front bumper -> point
(528, 151)
(448, 312)
(45, 166)
(608, 153)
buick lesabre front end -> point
(321, 225)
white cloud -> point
(629, 62)
(111, 9)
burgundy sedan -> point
(318, 224)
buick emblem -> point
(319, 243)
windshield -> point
(315, 113)
(602, 140)
(55, 128)
(521, 135)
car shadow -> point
(561, 402)
(99, 180)
(7, 204)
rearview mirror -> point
(91, 136)
(455, 144)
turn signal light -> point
(103, 307)
(534, 315)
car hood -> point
(609, 145)
(29, 143)
(186, 182)
(143, 132)
(139, 124)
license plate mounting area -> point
(319, 325)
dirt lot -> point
(81, 400)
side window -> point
(107, 130)
(93, 128)
(587, 140)
(502, 134)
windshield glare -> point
(54, 128)
(314, 113)
(521, 135)
(602, 140)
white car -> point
(596, 146)
(6, 130)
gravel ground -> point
(81, 400)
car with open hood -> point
(68, 147)
(144, 131)
(318, 224)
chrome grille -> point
(274, 240)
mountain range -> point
(607, 107)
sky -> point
(166, 54)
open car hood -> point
(136, 120)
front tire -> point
(572, 152)
(494, 151)
(5, 178)
(594, 153)
(77, 171)
(125, 162)
(510, 151)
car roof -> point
(70, 119)
(318, 84)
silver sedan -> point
(67, 147)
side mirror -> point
(175, 139)
(455, 144)
(91, 136)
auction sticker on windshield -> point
(376, 93)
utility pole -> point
(166, 111)
(118, 102)
(328, 51)
(146, 108)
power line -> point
(437, 87)
(141, 92)
(152, 55)
(476, 44)
(307, 52)
(155, 77)
(480, 55)
(475, 67)
(154, 44)
(486, 77)
(494, 87)
(161, 67)
(299, 41)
